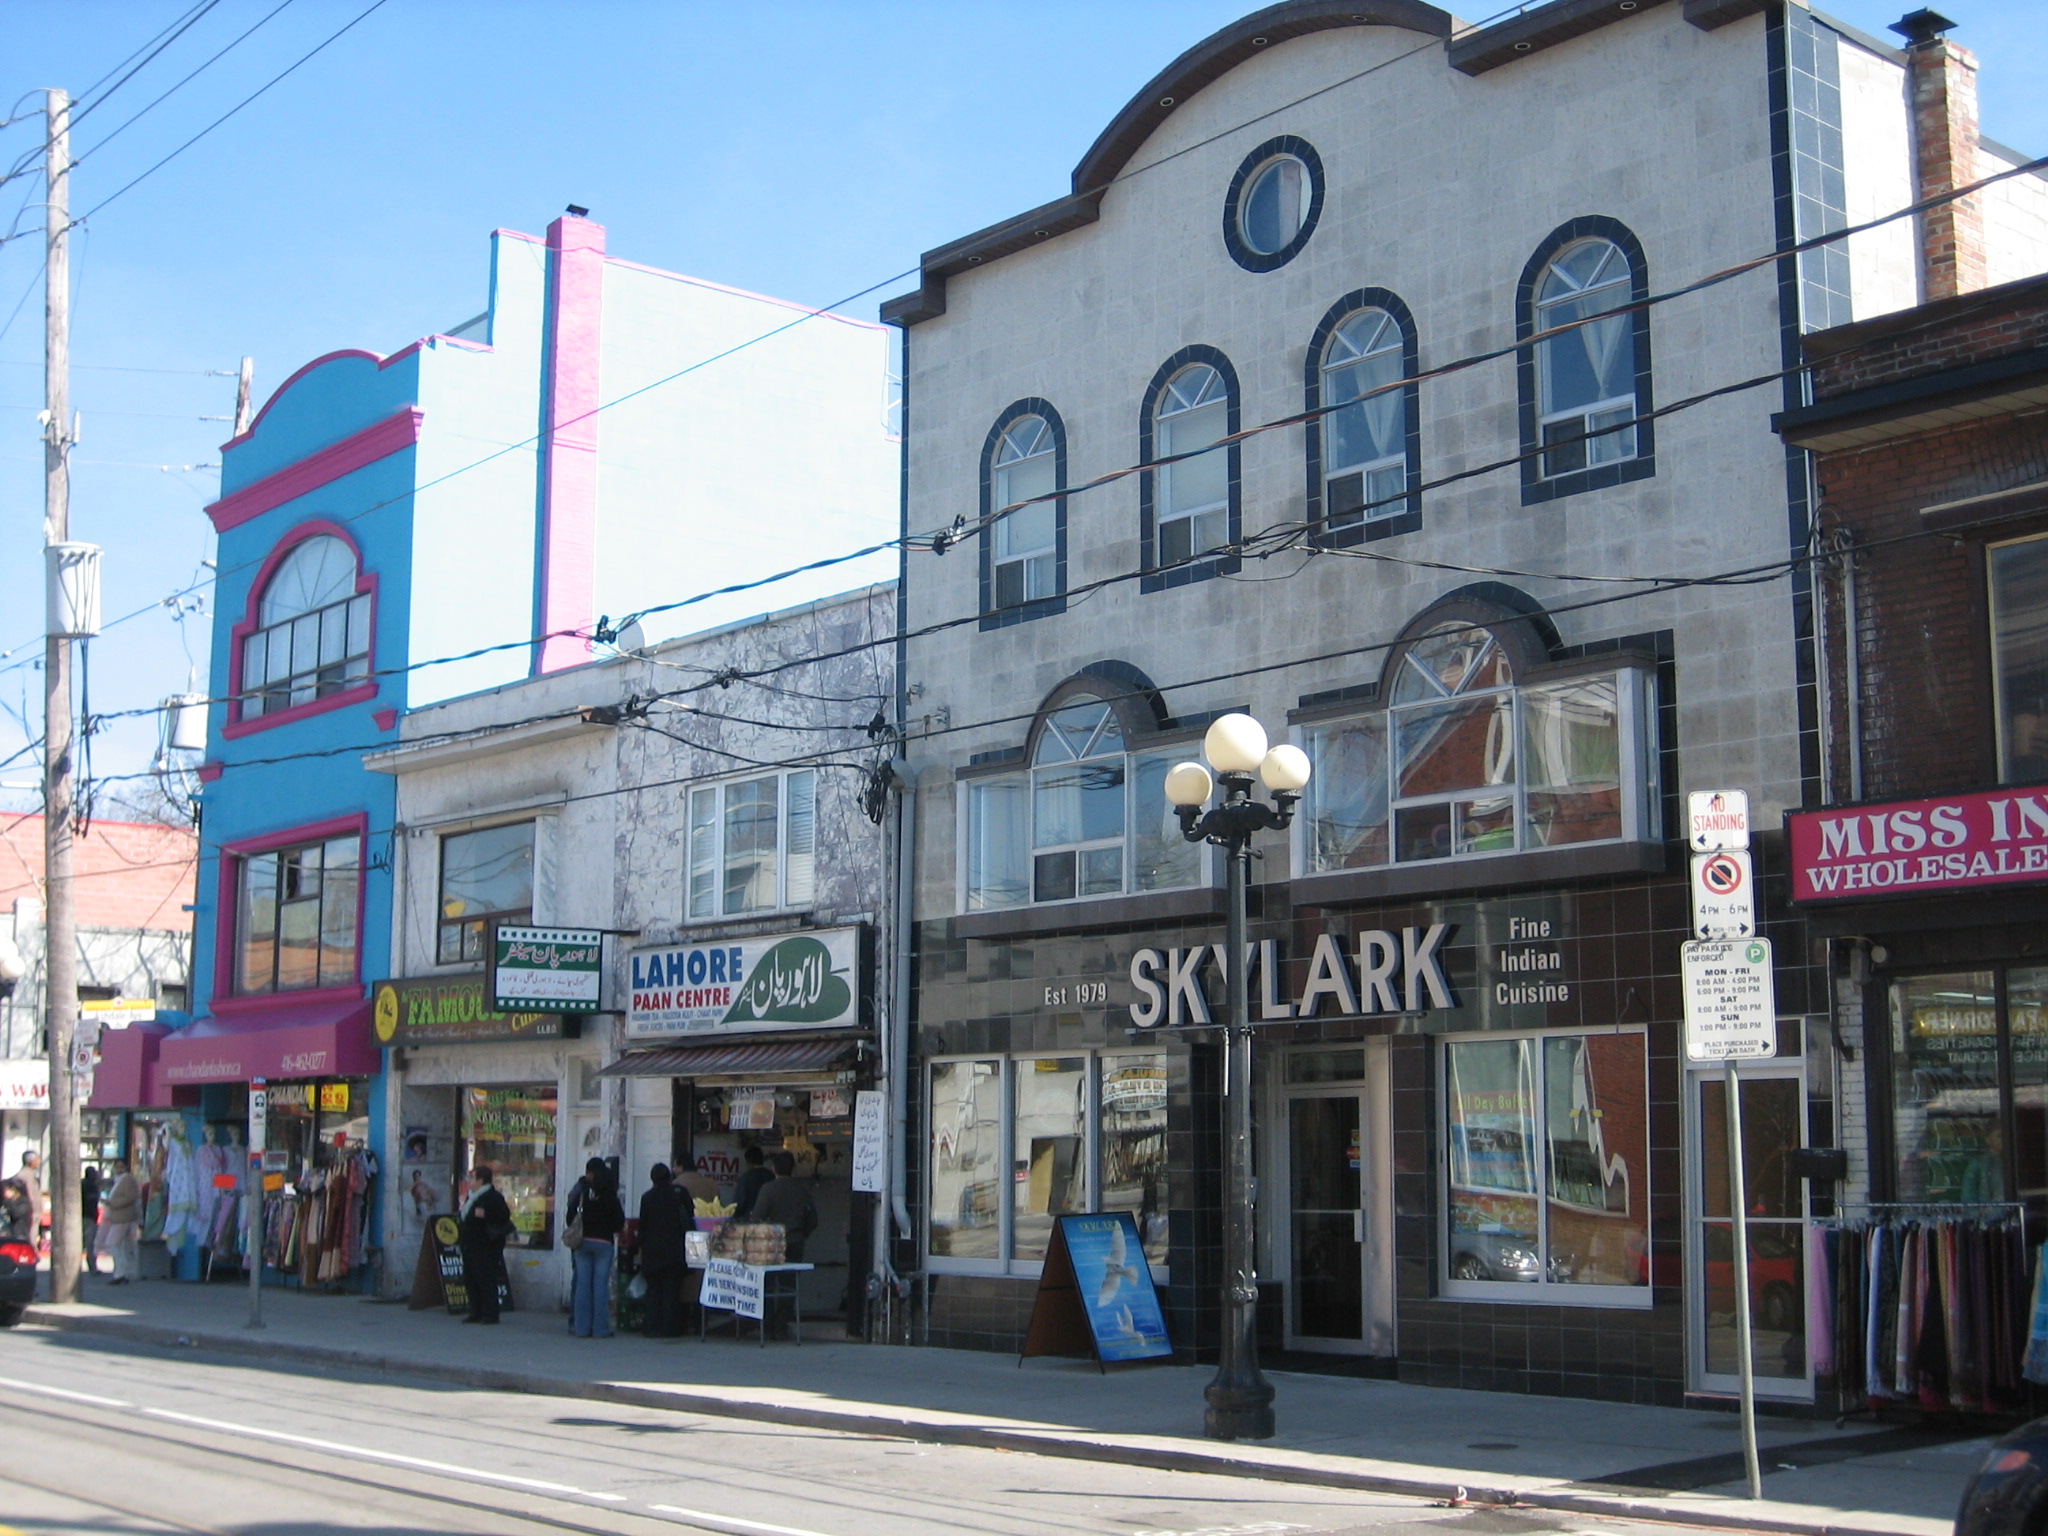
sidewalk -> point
(1565, 1454)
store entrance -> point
(1337, 1300)
(1773, 1126)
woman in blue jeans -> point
(596, 1200)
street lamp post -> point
(1240, 1398)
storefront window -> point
(1945, 1113)
(1049, 1130)
(1548, 1160)
(512, 1132)
(966, 1155)
(1083, 1132)
(1132, 1139)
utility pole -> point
(60, 943)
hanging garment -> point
(1820, 1299)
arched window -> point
(1364, 454)
(1087, 817)
(1190, 506)
(1587, 390)
(1468, 759)
(312, 638)
(1023, 554)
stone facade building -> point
(1368, 379)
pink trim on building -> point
(566, 582)
(227, 904)
(248, 624)
(397, 431)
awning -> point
(123, 1077)
(301, 1041)
(765, 1059)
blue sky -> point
(807, 150)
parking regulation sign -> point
(1731, 1005)
(1723, 895)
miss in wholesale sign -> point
(789, 981)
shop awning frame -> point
(742, 1060)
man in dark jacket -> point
(486, 1223)
(752, 1182)
(786, 1199)
(662, 1225)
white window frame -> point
(1641, 793)
(1005, 1263)
(1379, 501)
(1542, 1291)
(1040, 560)
(795, 890)
(1591, 417)
(1164, 412)
(1024, 778)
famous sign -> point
(806, 980)
(1731, 1006)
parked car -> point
(2008, 1495)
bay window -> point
(1546, 1141)
(1465, 762)
(1088, 819)
(753, 844)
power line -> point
(304, 58)
(195, 74)
(192, 19)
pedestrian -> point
(16, 1211)
(486, 1223)
(31, 1177)
(595, 1220)
(752, 1182)
(121, 1220)
(662, 1225)
(89, 1214)
(786, 1200)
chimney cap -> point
(1922, 26)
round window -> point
(1274, 202)
(1275, 205)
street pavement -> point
(102, 1435)
(1568, 1457)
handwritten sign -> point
(730, 1286)
(870, 1141)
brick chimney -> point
(1943, 79)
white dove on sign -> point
(1116, 1271)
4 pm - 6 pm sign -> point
(805, 980)
(556, 970)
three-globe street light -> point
(1240, 1398)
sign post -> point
(259, 1136)
(1731, 1016)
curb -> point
(1564, 1498)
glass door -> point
(1773, 1125)
(1326, 1197)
